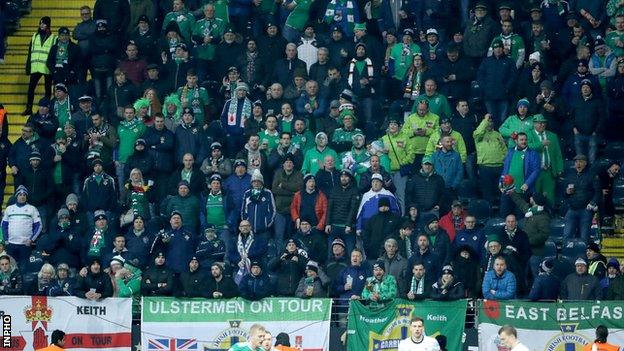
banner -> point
(549, 326)
(376, 329)
(87, 324)
(211, 325)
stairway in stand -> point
(13, 80)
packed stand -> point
(352, 149)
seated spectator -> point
(447, 288)
(453, 221)
(128, 280)
(439, 239)
(62, 285)
(596, 261)
(289, 267)
(94, 284)
(10, 277)
(311, 241)
(211, 249)
(97, 243)
(338, 260)
(546, 284)
(580, 285)
(470, 236)
(467, 269)
(311, 285)
(350, 283)
(42, 285)
(499, 283)
(381, 286)
(220, 286)
(613, 272)
(615, 291)
(255, 285)
(192, 281)
(157, 279)
(395, 263)
(246, 248)
(420, 284)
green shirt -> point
(314, 159)
(208, 27)
(402, 56)
(62, 111)
(128, 133)
(185, 21)
(516, 169)
(438, 104)
(244, 346)
(196, 98)
(611, 41)
(300, 14)
(271, 139)
(304, 141)
(215, 210)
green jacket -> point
(387, 288)
(554, 150)
(515, 124)
(314, 159)
(399, 155)
(459, 144)
(131, 287)
(402, 59)
(491, 148)
(185, 21)
(128, 133)
(344, 136)
(417, 144)
(188, 206)
(537, 226)
(299, 16)
(204, 27)
(196, 98)
(438, 104)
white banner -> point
(170, 324)
(28, 322)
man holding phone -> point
(418, 127)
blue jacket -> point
(473, 238)
(255, 288)
(256, 252)
(139, 246)
(545, 287)
(99, 196)
(532, 166)
(449, 166)
(188, 140)
(497, 77)
(320, 112)
(359, 275)
(259, 211)
(235, 188)
(430, 259)
(160, 144)
(571, 91)
(179, 249)
(504, 286)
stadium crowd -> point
(346, 148)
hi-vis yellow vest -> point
(39, 53)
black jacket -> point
(226, 286)
(429, 279)
(101, 282)
(588, 115)
(327, 180)
(314, 243)
(192, 284)
(424, 192)
(343, 205)
(454, 291)
(376, 230)
(586, 189)
(160, 144)
(39, 184)
(13, 285)
(155, 275)
(289, 272)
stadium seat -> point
(614, 150)
(556, 229)
(467, 191)
(618, 192)
(481, 209)
(493, 224)
(573, 248)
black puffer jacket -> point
(100, 282)
(156, 275)
(343, 205)
(424, 191)
(588, 115)
(289, 272)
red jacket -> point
(446, 223)
(320, 208)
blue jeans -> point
(291, 34)
(498, 110)
(21, 254)
(283, 230)
(577, 221)
(586, 145)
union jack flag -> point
(172, 345)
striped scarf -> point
(369, 71)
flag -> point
(172, 345)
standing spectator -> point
(425, 189)
(395, 262)
(286, 183)
(499, 283)
(496, 76)
(546, 284)
(523, 165)
(289, 267)
(341, 212)
(82, 33)
(176, 242)
(186, 204)
(160, 145)
(370, 203)
(38, 51)
(235, 187)
(588, 118)
(182, 16)
(38, 180)
(312, 241)
(259, 206)
(521, 122)
(378, 227)
(189, 172)
(21, 226)
(419, 127)
(100, 140)
(597, 263)
(424, 254)
(248, 248)
(133, 64)
(582, 195)
(309, 204)
(64, 61)
(102, 50)
(607, 178)
(99, 190)
(116, 13)
(491, 150)
(580, 285)
(128, 131)
(547, 144)
(448, 164)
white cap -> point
(432, 31)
